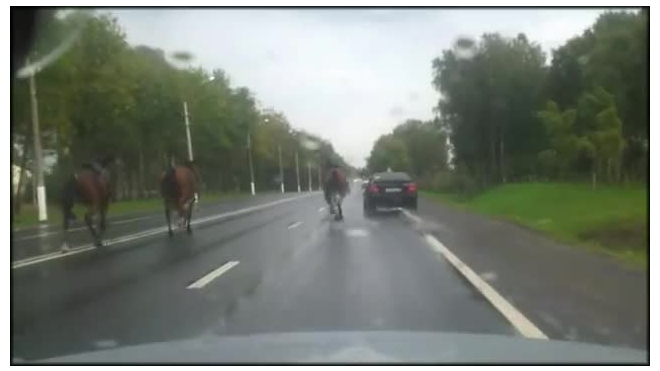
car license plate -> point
(392, 190)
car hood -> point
(375, 347)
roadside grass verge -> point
(608, 219)
(29, 215)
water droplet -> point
(464, 47)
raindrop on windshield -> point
(464, 47)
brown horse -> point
(90, 185)
(335, 188)
(178, 187)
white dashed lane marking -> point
(293, 225)
(212, 275)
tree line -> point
(104, 96)
(511, 117)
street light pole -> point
(187, 122)
(309, 175)
(279, 152)
(297, 172)
(38, 157)
(185, 114)
(250, 160)
(190, 152)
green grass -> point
(609, 219)
(29, 213)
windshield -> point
(391, 176)
(170, 177)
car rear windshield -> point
(392, 176)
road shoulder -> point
(570, 293)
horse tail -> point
(168, 186)
(67, 199)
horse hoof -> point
(98, 244)
(189, 230)
(170, 233)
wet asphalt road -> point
(277, 263)
(286, 267)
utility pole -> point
(185, 115)
(250, 161)
(319, 167)
(190, 152)
(279, 152)
(297, 172)
(309, 175)
(38, 157)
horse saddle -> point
(100, 173)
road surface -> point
(286, 267)
(269, 264)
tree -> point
(425, 146)
(389, 152)
(563, 140)
(613, 55)
(603, 129)
(106, 96)
(487, 103)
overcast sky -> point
(346, 75)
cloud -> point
(272, 56)
(396, 111)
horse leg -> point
(90, 226)
(103, 212)
(67, 198)
(181, 211)
(339, 215)
(191, 204)
(65, 238)
(167, 217)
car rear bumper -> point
(391, 200)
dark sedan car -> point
(390, 189)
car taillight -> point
(412, 187)
(373, 188)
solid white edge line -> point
(150, 232)
(131, 220)
(212, 275)
(513, 315)
(521, 323)
(44, 234)
(410, 215)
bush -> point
(450, 181)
